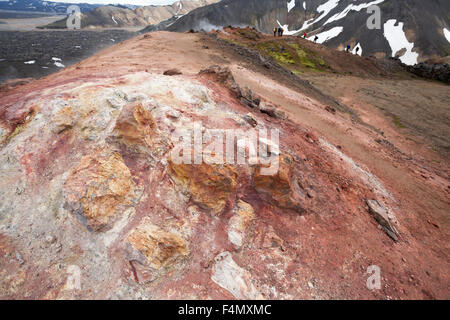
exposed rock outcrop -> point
(91, 189)
(436, 71)
(135, 127)
(381, 214)
(240, 222)
(224, 76)
(281, 188)
(98, 189)
(160, 248)
(118, 16)
(210, 186)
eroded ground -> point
(89, 187)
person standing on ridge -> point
(315, 39)
(274, 32)
(282, 31)
(347, 48)
(304, 35)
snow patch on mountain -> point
(447, 34)
(352, 7)
(359, 52)
(290, 5)
(324, 9)
(396, 37)
(327, 35)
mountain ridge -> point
(419, 26)
(118, 17)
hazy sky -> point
(138, 2)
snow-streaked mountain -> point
(413, 30)
(119, 16)
(43, 6)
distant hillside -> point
(43, 6)
(119, 16)
(413, 30)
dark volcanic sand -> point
(24, 15)
(41, 46)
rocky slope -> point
(117, 17)
(35, 54)
(94, 203)
(414, 30)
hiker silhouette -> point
(275, 32)
(280, 32)
(316, 38)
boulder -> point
(99, 189)
(137, 130)
(157, 247)
(172, 72)
(240, 222)
(280, 188)
(64, 119)
(381, 214)
(250, 120)
(210, 186)
(233, 278)
(250, 98)
(272, 111)
(223, 76)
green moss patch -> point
(292, 55)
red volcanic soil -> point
(158, 230)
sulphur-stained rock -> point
(210, 186)
(94, 125)
(16, 120)
(64, 119)
(279, 185)
(135, 124)
(136, 128)
(2, 134)
(236, 280)
(115, 102)
(157, 248)
(99, 189)
(240, 222)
